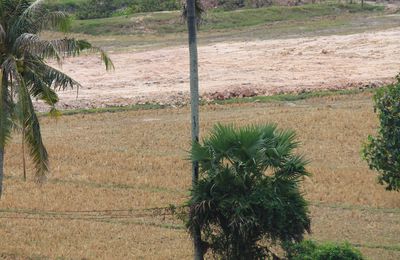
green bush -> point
(248, 192)
(382, 152)
(309, 250)
(139, 6)
(237, 4)
(95, 9)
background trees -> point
(24, 73)
(248, 193)
(96, 9)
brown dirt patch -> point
(264, 67)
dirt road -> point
(264, 67)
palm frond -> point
(55, 20)
(31, 126)
(35, 8)
(103, 55)
(54, 78)
(32, 44)
(5, 110)
(2, 34)
(40, 89)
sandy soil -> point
(266, 67)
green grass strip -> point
(256, 99)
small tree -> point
(382, 152)
(247, 197)
(25, 74)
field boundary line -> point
(355, 207)
(286, 97)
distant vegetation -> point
(171, 22)
(92, 9)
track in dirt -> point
(262, 67)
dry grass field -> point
(108, 168)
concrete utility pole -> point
(194, 98)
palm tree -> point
(248, 192)
(24, 73)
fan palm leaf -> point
(248, 190)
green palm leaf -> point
(248, 191)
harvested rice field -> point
(112, 175)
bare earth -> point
(261, 67)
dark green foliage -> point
(138, 6)
(95, 9)
(309, 250)
(104, 8)
(237, 4)
(248, 193)
(382, 152)
(231, 4)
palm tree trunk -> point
(194, 98)
(23, 153)
(1, 169)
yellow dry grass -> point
(136, 160)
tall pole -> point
(1, 169)
(2, 127)
(194, 101)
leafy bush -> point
(382, 152)
(248, 191)
(236, 4)
(309, 250)
(95, 9)
(92, 9)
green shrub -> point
(139, 6)
(248, 193)
(95, 9)
(382, 152)
(309, 250)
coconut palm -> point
(248, 193)
(24, 73)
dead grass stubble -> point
(137, 160)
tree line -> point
(92, 9)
